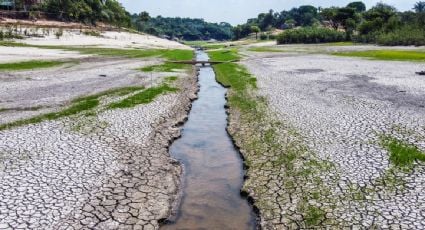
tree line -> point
(84, 11)
(382, 24)
(182, 28)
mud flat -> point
(102, 168)
(330, 115)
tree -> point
(142, 19)
(256, 30)
(329, 14)
(358, 6)
(419, 7)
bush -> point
(310, 35)
(404, 36)
(263, 36)
(272, 37)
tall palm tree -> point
(419, 7)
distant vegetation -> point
(382, 24)
(84, 11)
(182, 28)
(310, 35)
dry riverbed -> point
(107, 167)
(327, 165)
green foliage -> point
(173, 55)
(264, 49)
(314, 215)
(75, 108)
(382, 24)
(358, 6)
(402, 154)
(78, 105)
(143, 97)
(390, 55)
(419, 7)
(183, 28)
(166, 67)
(28, 65)
(256, 30)
(405, 36)
(310, 35)
(263, 36)
(234, 76)
(224, 55)
(88, 11)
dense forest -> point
(381, 24)
(182, 28)
(85, 11)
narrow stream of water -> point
(213, 168)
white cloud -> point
(236, 11)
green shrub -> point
(263, 36)
(310, 35)
(403, 36)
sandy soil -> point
(109, 39)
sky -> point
(236, 11)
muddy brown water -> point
(213, 174)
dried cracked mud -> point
(108, 171)
(341, 107)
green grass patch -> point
(224, 55)
(205, 44)
(402, 154)
(143, 97)
(234, 76)
(339, 44)
(171, 79)
(166, 67)
(13, 44)
(313, 216)
(29, 65)
(75, 108)
(390, 55)
(169, 54)
(79, 105)
(264, 49)
(173, 55)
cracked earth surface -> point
(107, 171)
(340, 107)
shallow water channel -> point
(213, 172)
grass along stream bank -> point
(284, 178)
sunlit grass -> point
(265, 49)
(169, 54)
(166, 67)
(78, 105)
(29, 65)
(224, 55)
(390, 55)
(402, 154)
(143, 97)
